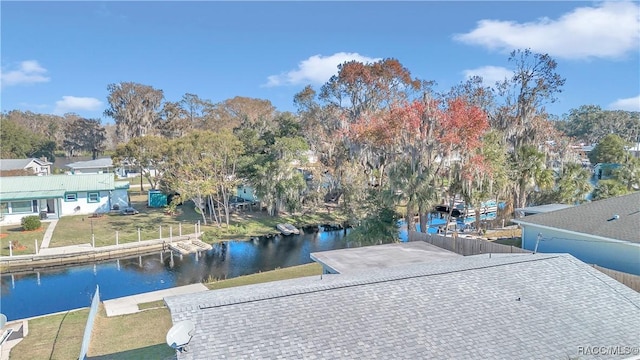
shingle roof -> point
(18, 164)
(595, 218)
(91, 164)
(34, 187)
(479, 307)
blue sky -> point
(59, 57)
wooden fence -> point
(464, 246)
(469, 246)
(630, 280)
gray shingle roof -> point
(463, 308)
(18, 164)
(91, 164)
(594, 218)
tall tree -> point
(610, 150)
(529, 174)
(173, 120)
(533, 84)
(84, 135)
(134, 108)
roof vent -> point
(615, 217)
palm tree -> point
(530, 174)
(573, 185)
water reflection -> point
(27, 295)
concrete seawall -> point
(82, 254)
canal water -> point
(46, 292)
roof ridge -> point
(456, 266)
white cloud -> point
(628, 104)
(74, 103)
(317, 69)
(28, 72)
(490, 74)
(607, 30)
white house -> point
(97, 166)
(604, 232)
(54, 196)
(31, 166)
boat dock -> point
(189, 246)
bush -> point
(31, 222)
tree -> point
(243, 113)
(202, 167)
(610, 150)
(84, 135)
(574, 184)
(533, 84)
(173, 120)
(529, 174)
(134, 108)
(590, 123)
(147, 153)
(277, 181)
(629, 173)
(609, 188)
(18, 142)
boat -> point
(287, 229)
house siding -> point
(616, 255)
(82, 205)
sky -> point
(59, 57)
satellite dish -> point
(3, 320)
(180, 334)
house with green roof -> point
(54, 196)
(604, 232)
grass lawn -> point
(53, 337)
(74, 230)
(267, 276)
(15, 234)
(135, 336)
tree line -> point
(384, 141)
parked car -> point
(129, 211)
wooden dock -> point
(189, 246)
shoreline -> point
(64, 256)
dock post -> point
(160, 232)
(10, 248)
(179, 229)
(117, 240)
(36, 240)
(93, 240)
(170, 234)
(138, 234)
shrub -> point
(31, 222)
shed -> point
(156, 199)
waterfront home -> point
(604, 232)
(30, 166)
(498, 306)
(54, 196)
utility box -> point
(157, 199)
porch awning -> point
(31, 195)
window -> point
(21, 207)
(93, 197)
(71, 197)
